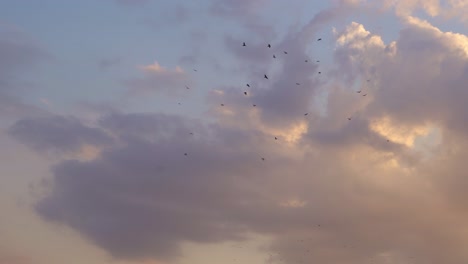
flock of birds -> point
(265, 76)
(276, 255)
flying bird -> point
(306, 61)
(319, 39)
(269, 46)
(274, 56)
(265, 76)
(254, 105)
(358, 91)
(276, 138)
(349, 118)
(248, 85)
(364, 94)
(187, 87)
(191, 133)
(285, 52)
(263, 159)
(320, 72)
(243, 44)
(245, 93)
(306, 114)
(222, 104)
(318, 61)
(298, 84)
(185, 154)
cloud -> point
(19, 54)
(329, 190)
(447, 9)
(57, 133)
(159, 79)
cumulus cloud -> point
(435, 8)
(329, 190)
(159, 79)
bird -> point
(248, 85)
(364, 94)
(274, 56)
(265, 76)
(178, 103)
(306, 61)
(187, 87)
(358, 91)
(194, 70)
(243, 44)
(269, 46)
(388, 140)
(245, 93)
(319, 39)
(185, 154)
(263, 159)
(254, 105)
(222, 104)
(318, 61)
(349, 118)
(285, 52)
(320, 72)
(276, 138)
(306, 114)
(191, 133)
(298, 84)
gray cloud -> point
(57, 133)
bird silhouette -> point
(358, 91)
(285, 52)
(187, 87)
(276, 138)
(274, 56)
(319, 39)
(265, 76)
(185, 154)
(254, 105)
(349, 118)
(243, 44)
(248, 85)
(269, 46)
(318, 61)
(306, 61)
(364, 94)
(298, 84)
(222, 104)
(263, 159)
(320, 72)
(245, 93)
(306, 114)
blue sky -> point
(107, 155)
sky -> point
(145, 132)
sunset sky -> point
(126, 136)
